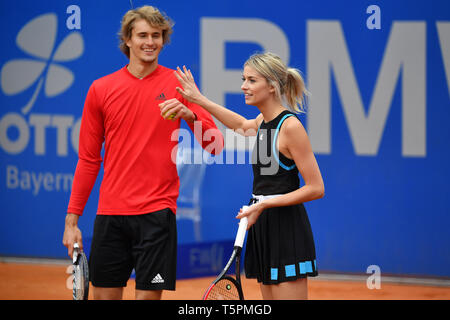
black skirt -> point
(280, 246)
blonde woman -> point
(280, 251)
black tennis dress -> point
(280, 245)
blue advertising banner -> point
(378, 73)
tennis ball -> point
(171, 116)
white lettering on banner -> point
(327, 55)
(62, 124)
(443, 28)
(40, 123)
(33, 181)
(405, 52)
(215, 32)
(17, 121)
(206, 259)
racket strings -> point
(78, 287)
(224, 290)
(80, 278)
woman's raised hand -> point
(189, 90)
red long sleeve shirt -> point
(139, 174)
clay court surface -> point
(24, 281)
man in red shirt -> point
(135, 225)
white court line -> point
(425, 281)
(35, 260)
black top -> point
(273, 172)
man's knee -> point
(108, 293)
(148, 294)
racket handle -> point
(76, 249)
(242, 230)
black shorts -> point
(280, 246)
(147, 243)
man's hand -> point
(174, 109)
(72, 233)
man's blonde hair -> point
(153, 16)
(288, 82)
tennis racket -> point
(80, 274)
(225, 287)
